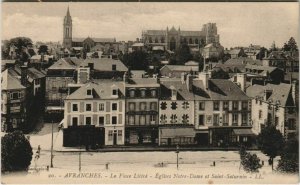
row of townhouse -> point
(189, 110)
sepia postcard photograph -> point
(150, 92)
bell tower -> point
(67, 32)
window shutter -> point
(120, 106)
(81, 107)
(107, 106)
(107, 119)
(94, 120)
(95, 106)
(120, 119)
(68, 122)
(69, 107)
(81, 120)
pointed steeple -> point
(68, 18)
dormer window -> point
(131, 93)
(114, 92)
(89, 92)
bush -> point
(16, 152)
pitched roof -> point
(276, 55)
(9, 82)
(104, 64)
(101, 40)
(268, 69)
(280, 93)
(34, 73)
(181, 68)
(138, 45)
(221, 89)
(66, 63)
(243, 60)
(142, 82)
(234, 51)
(182, 91)
(191, 63)
(155, 32)
(100, 90)
(192, 33)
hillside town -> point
(167, 88)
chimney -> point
(91, 66)
(266, 53)
(24, 75)
(83, 75)
(174, 93)
(189, 82)
(294, 91)
(267, 94)
(204, 77)
(182, 78)
(241, 79)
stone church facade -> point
(171, 39)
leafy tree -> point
(270, 142)
(289, 158)
(43, 49)
(250, 162)
(291, 45)
(137, 60)
(16, 152)
(183, 54)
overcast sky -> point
(239, 24)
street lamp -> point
(177, 152)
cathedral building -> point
(107, 45)
(171, 39)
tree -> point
(137, 60)
(291, 45)
(43, 50)
(250, 162)
(270, 142)
(183, 54)
(16, 152)
(289, 157)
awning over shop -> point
(243, 132)
(176, 132)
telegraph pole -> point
(51, 164)
(177, 152)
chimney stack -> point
(24, 75)
(182, 78)
(204, 77)
(189, 82)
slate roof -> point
(100, 90)
(142, 82)
(234, 51)
(243, 60)
(66, 63)
(264, 68)
(280, 92)
(155, 32)
(103, 40)
(276, 55)
(181, 68)
(182, 91)
(104, 64)
(191, 63)
(9, 82)
(34, 73)
(192, 33)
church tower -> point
(67, 35)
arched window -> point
(156, 40)
(191, 41)
(196, 41)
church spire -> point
(68, 18)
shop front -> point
(141, 135)
(176, 136)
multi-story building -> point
(13, 102)
(95, 114)
(176, 111)
(222, 112)
(142, 110)
(274, 105)
(59, 75)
